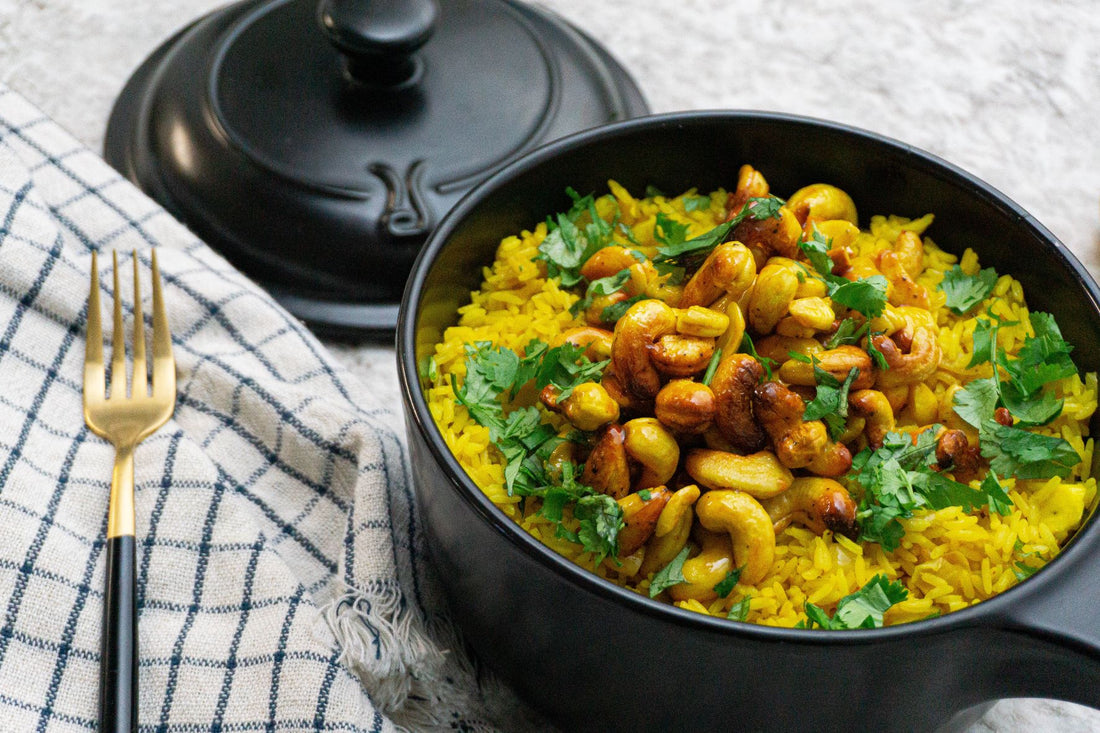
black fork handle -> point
(118, 671)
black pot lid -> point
(316, 145)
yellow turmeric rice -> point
(947, 559)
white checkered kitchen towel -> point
(282, 580)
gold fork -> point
(124, 420)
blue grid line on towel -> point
(184, 688)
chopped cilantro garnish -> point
(696, 203)
(1013, 451)
(600, 519)
(766, 207)
(985, 339)
(670, 575)
(602, 286)
(849, 332)
(874, 353)
(998, 499)
(567, 246)
(1043, 358)
(740, 610)
(1023, 571)
(615, 311)
(492, 374)
(748, 347)
(865, 295)
(726, 585)
(712, 367)
(863, 609)
(976, 402)
(900, 477)
(668, 231)
(830, 404)
(966, 291)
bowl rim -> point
(418, 416)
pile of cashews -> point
(728, 463)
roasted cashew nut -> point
(920, 363)
(875, 408)
(596, 341)
(636, 332)
(728, 269)
(822, 201)
(685, 406)
(773, 236)
(818, 504)
(606, 469)
(749, 526)
(640, 515)
(706, 570)
(609, 261)
(654, 447)
(910, 252)
(751, 184)
(838, 362)
(733, 383)
(902, 290)
(672, 531)
(779, 348)
(676, 355)
(758, 474)
(771, 297)
(798, 444)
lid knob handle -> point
(379, 38)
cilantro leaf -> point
(900, 477)
(712, 367)
(668, 231)
(1043, 358)
(756, 208)
(726, 585)
(747, 346)
(985, 341)
(527, 443)
(1023, 571)
(1030, 409)
(567, 246)
(849, 332)
(696, 203)
(830, 404)
(1013, 451)
(696, 246)
(976, 402)
(670, 575)
(997, 498)
(600, 518)
(863, 609)
(565, 367)
(966, 291)
(866, 295)
(740, 610)
(816, 249)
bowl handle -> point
(1055, 625)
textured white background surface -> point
(1007, 90)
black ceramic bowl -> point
(593, 656)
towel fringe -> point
(415, 668)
